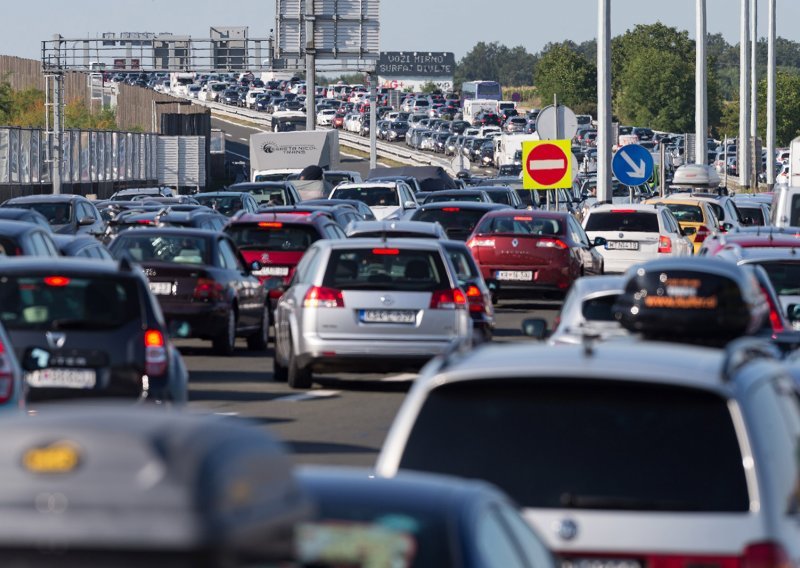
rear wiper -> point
(573, 501)
(77, 324)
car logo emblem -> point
(387, 300)
(567, 529)
(265, 257)
(621, 235)
(514, 243)
(55, 339)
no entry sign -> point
(547, 164)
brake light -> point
(270, 225)
(765, 555)
(623, 210)
(155, 353)
(775, 320)
(451, 209)
(665, 245)
(207, 289)
(478, 242)
(551, 243)
(448, 300)
(386, 252)
(523, 218)
(321, 297)
(701, 234)
(56, 281)
(6, 375)
(475, 299)
(144, 222)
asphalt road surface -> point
(343, 420)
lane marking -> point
(227, 135)
(226, 414)
(311, 395)
(244, 139)
(402, 378)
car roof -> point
(171, 231)
(589, 285)
(535, 213)
(681, 201)
(21, 265)
(218, 194)
(416, 244)
(757, 254)
(366, 185)
(16, 228)
(416, 226)
(46, 198)
(473, 205)
(283, 217)
(636, 207)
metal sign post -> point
(604, 101)
(771, 97)
(373, 122)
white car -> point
(386, 200)
(783, 175)
(250, 98)
(635, 233)
(325, 116)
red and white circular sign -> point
(395, 84)
(547, 164)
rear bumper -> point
(549, 279)
(205, 320)
(369, 356)
(126, 384)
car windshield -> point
(55, 213)
(147, 247)
(686, 213)
(623, 221)
(784, 275)
(60, 301)
(440, 197)
(386, 269)
(571, 427)
(225, 204)
(271, 235)
(450, 218)
(599, 308)
(522, 225)
(372, 196)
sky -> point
(406, 25)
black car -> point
(445, 521)
(82, 246)
(457, 218)
(229, 97)
(479, 293)
(396, 130)
(362, 208)
(343, 213)
(67, 214)
(228, 203)
(487, 118)
(85, 328)
(265, 192)
(138, 192)
(19, 238)
(201, 280)
(26, 215)
(197, 217)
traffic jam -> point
(654, 422)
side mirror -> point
(409, 205)
(599, 242)
(255, 266)
(793, 314)
(726, 227)
(535, 328)
(688, 231)
(85, 221)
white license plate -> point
(162, 288)
(388, 316)
(623, 245)
(272, 271)
(600, 563)
(514, 275)
(62, 378)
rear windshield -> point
(372, 196)
(686, 213)
(437, 197)
(585, 444)
(522, 225)
(227, 205)
(386, 269)
(785, 277)
(177, 249)
(65, 302)
(600, 309)
(272, 177)
(55, 213)
(451, 218)
(269, 195)
(273, 236)
(755, 214)
(9, 247)
(627, 222)
(500, 197)
(465, 266)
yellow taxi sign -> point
(58, 457)
(547, 164)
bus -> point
(489, 90)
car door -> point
(591, 261)
(244, 285)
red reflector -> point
(665, 245)
(270, 225)
(153, 338)
(56, 281)
(145, 222)
(386, 251)
(623, 210)
(451, 209)
(765, 555)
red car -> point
(749, 238)
(338, 120)
(278, 241)
(533, 251)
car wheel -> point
(259, 340)
(225, 342)
(280, 372)
(297, 377)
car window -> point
(50, 246)
(784, 276)
(622, 220)
(372, 196)
(464, 266)
(273, 236)
(604, 424)
(534, 550)
(494, 543)
(306, 268)
(161, 248)
(386, 269)
(686, 213)
(39, 246)
(228, 257)
(522, 225)
(600, 308)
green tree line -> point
(652, 77)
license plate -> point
(388, 316)
(514, 275)
(601, 563)
(623, 245)
(162, 288)
(272, 271)
(62, 378)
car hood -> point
(383, 211)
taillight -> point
(702, 234)
(479, 242)
(765, 555)
(551, 243)
(6, 375)
(475, 299)
(665, 245)
(775, 319)
(448, 300)
(320, 297)
(207, 289)
(155, 353)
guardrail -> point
(386, 150)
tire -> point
(297, 377)
(280, 373)
(259, 340)
(225, 343)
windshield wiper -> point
(573, 501)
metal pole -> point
(725, 157)
(700, 98)
(754, 93)
(604, 100)
(743, 157)
(559, 131)
(771, 97)
(373, 122)
(662, 170)
(311, 68)
(58, 131)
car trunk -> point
(275, 265)
(518, 257)
(174, 283)
(633, 246)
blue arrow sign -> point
(632, 165)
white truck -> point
(506, 147)
(179, 83)
(278, 153)
(473, 107)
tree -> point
(563, 72)
(496, 62)
(430, 87)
